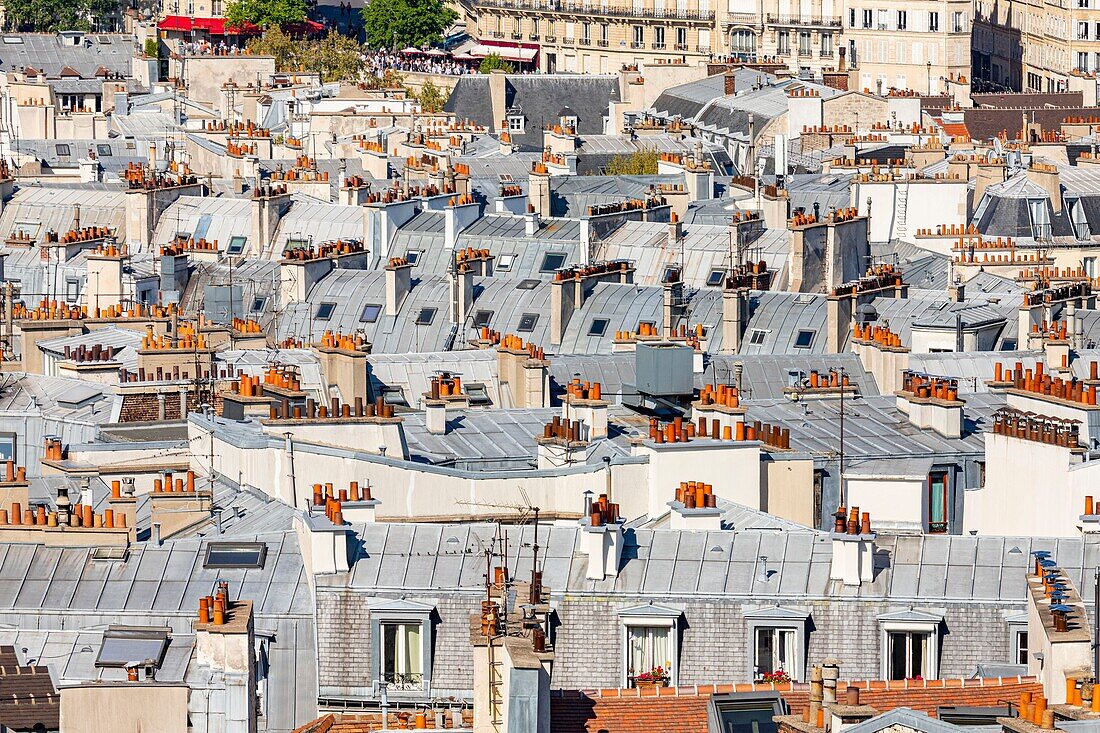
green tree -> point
(641, 163)
(50, 16)
(335, 57)
(400, 23)
(265, 13)
(431, 97)
(152, 48)
(493, 62)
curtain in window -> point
(411, 657)
(775, 651)
(648, 647)
(937, 502)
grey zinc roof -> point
(779, 315)
(658, 563)
(624, 306)
(930, 272)
(974, 368)
(412, 373)
(205, 217)
(350, 290)
(72, 654)
(45, 52)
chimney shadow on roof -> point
(882, 561)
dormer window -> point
(515, 124)
(569, 121)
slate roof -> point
(45, 52)
(541, 97)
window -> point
(908, 654)
(123, 645)
(478, 395)
(933, 21)
(295, 243)
(598, 327)
(258, 304)
(742, 42)
(72, 290)
(958, 22)
(236, 245)
(827, 44)
(773, 651)
(504, 262)
(638, 35)
(682, 39)
(757, 336)
(527, 284)
(527, 322)
(515, 123)
(903, 19)
(234, 555)
(425, 317)
(370, 313)
(784, 43)
(413, 256)
(647, 649)
(659, 37)
(744, 712)
(715, 278)
(805, 43)
(586, 33)
(851, 17)
(104, 151)
(402, 655)
(62, 150)
(650, 641)
(937, 501)
(804, 339)
(553, 261)
(482, 318)
(325, 311)
(7, 447)
(394, 396)
(868, 18)
(1019, 645)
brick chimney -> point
(729, 81)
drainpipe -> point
(290, 468)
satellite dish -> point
(998, 147)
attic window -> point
(478, 395)
(569, 121)
(258, 304)
(804, 339)
(62, 150)
(527, 322)
(104, 151)
(714, 279)
(78, 397)
(394, 396)
(124, 646)
(553, 261)
(757, 336)
(598, 327)
(527, 284)
(370, 313)
(425, 317)
(504, 262)
(515, 123)
(325, 311)
(235, 555)
(236, 245)
(481, 318)
(413, 256)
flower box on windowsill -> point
(650, 682)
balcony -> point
(679, 47)
(586, 42)
(799, 21)
(658, 47)
(602, 43)
(574, 8)
(826, 54)
(567, 41)
(549, 38)
(517, 36)
(533, 37)
(705, 50)
(497, 34)
(637, 44)
(805, 53)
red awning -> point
(212, 26)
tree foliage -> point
(641, 163)
(265, 13)
(50, 16)
(335, 57)
(401, 23)
(493, 62)
(431, 97)
(152, 48)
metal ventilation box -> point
(664, 369)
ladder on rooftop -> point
(901, 228)
(496, 682)
(449, 344)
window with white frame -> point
(773, 651)
(401, 653)
(910, 645)
(1017, 638)
(650, 645)
(777, 635)
(402, 650)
